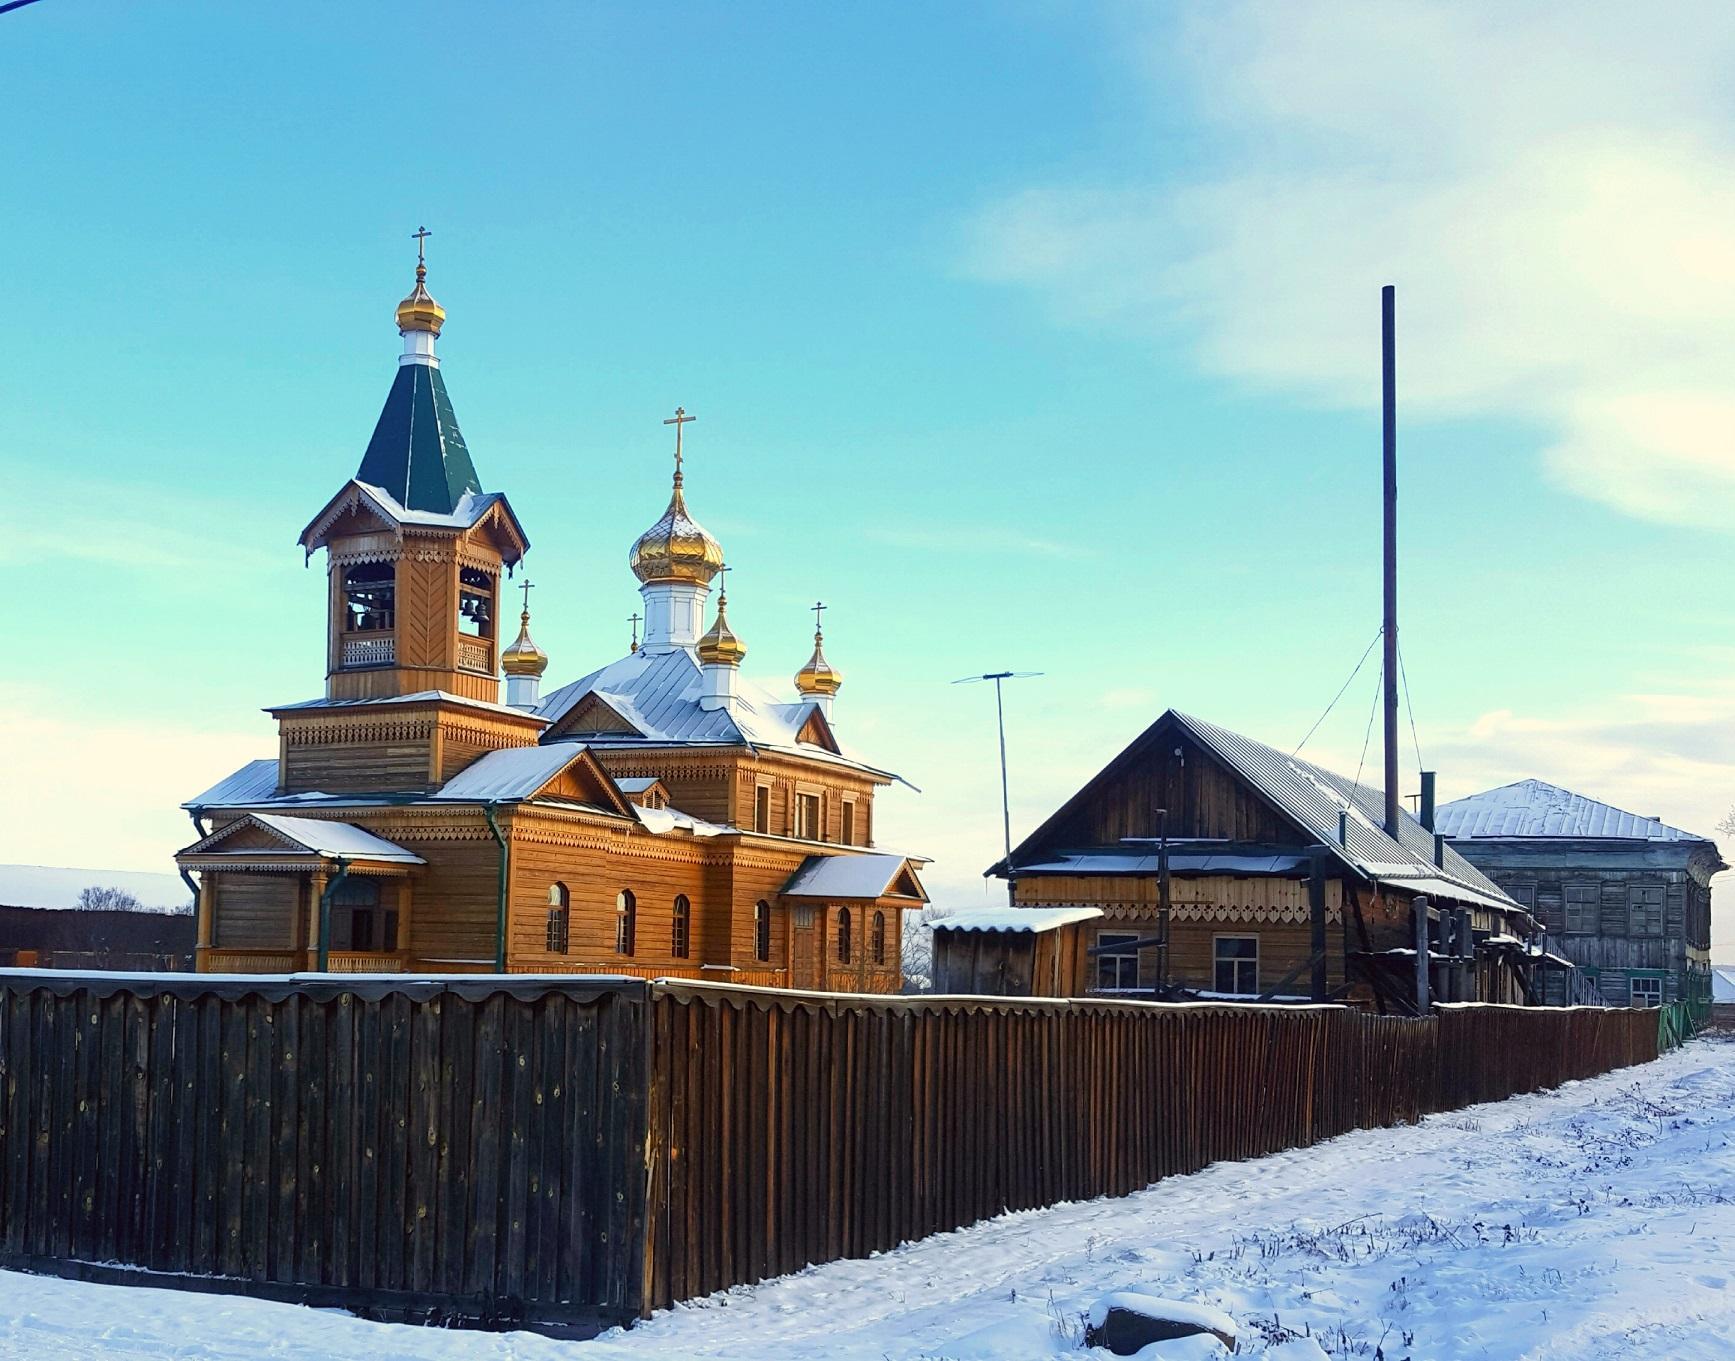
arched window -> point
(369, 597)
(559, 918)
(626, 914)
(475, 603)
(682, 935)
(843, 935)
(879, 938)
(762, 931)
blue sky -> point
(1028, 335)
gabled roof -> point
(652, 699)
(312, 837)
(1535, 808)
(1310, 797)
(417, 453)
(470, 510)
(855, 876)
(514, 774)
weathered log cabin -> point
(660, 816)
(1283, 884)
(1626, 898)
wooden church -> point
(660, 816)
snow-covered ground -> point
(1596, 1221)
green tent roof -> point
(417, 453)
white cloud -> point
(1551, 187)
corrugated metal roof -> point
(1535, 808)
(1314, 796)
(1180, 863)
(313, 836)
(255, 782)
(844, 876)
(1015, 918)
(419, 697)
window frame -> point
(1119, 959)
(1636, 890)
(1593, 902)
(762, 807)
(846, 822)
(1236, 963)
(844, 931)
(557, 938)
(681, 928)
(626, 923)
(806, 799)
(877, 939)
(1653, 985)
(762, 931)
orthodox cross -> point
(421, 234)
(818, 607)
(723, 582)
(679, 419)
(633, 619)
(527, 588)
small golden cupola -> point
(524, 662)
(676, 560)
(819, 680)
(720, 653)
(419, 312)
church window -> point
(762, 808)
(848, 837)
(369, 597)
(679, 945)
(626, 912)
(1237, 964)
(475, 603)
(807, 816)
(358, 921)
(559, 918)
(879, 938)
(762, 931)
(843, 942)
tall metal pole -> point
(1005, 795)
(1389, 629)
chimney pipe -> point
(1342, 827)
(1440, 849)
(1427, 811)
(1389, 619)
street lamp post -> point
(998, 677)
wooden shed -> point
(1011, 951)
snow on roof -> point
(1535, 808)
(320, 837)
(1723, 983)
(255, 782)
(844, 876)
(1015, 918)
(58, 887)
(509, 773)
(662, 821)
(637, 784)
(419, 697)
(1180, 862)
(658, 694)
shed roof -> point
(1015, 918)
(1537, 809)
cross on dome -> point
(679, 419)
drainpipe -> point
(500, 910)
(324, 958)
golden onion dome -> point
(676, 547)
(419, 311)
(818, 677)
(523, 657)
(720, 645)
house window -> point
(358, 922)
(1583, 902)
(626, 913)
(807, 816)
(879, 938)
(1237, 965)
(369, 597)
(683, 927)
(1117, 962)
(762, 931)
(762, 808)
(559, 919)
(1645, 909)
(1647, 992)
(475, 603)
(848, 837)
(843, 943)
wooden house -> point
(1283, 884)
(1626, 898)
(660, 816)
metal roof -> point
(509, 773)
(845, 876)
(1535, 808)
(255, 782)
(1184, 863)
(313, 836)
(417, 453)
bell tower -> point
(415, 548)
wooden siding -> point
(258, 910)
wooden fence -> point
(570, 1152)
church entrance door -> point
(804, 953)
